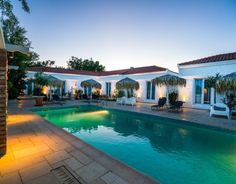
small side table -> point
(233, 111)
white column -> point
(212, 96)
(32, 88)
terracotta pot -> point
(39, 101)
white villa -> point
(194, 93)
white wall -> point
(202, 71)
(74, 81)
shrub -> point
(121, 94)
(78, 94)
(173, 96)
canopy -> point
(91, 83)
(127, 83)
(53, 81)
(227, 83)
(46, 80)
(169, 80)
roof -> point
(60, 70)
(211, 59)
(145, 69)
(11, 47)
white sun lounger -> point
(220, 109)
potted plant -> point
(39, 81)
(173, 96)
(121, 93)
(78, 94)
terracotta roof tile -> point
(61, 70)
(145, 69)
(211, 59)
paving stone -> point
(81, 157)
(98, 181)
(78, 144)
(46, 179)
(30, 151)
(17, 164)
(111, 178)
(12, 178)
(19, 146)
(91, 172)
(73, 163)
(57, 156)
(91, 152)
(35, 171)
(62, 146)
(106, 161)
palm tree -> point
(211, 81)
(39, 81)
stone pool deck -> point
(37, 150)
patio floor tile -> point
(73, 163)
(45, 179)
(30, 151)
(81, 157)
(111, 178)
(91, 171)
(12, 178)
(57, 156)
(35, 171)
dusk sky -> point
(125, 33)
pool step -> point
(64, 176)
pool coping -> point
(146, 179)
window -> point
(207, 95)
(150, 91)
(88, 91)
(108, 89)
(153, 91)
(198, 91)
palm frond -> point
(169, 80)
(127, 83)
(91, 83)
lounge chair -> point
(130, 101)
(176, 106)
(121, 101)
(220, 109)
(57, 99)
(161, 104)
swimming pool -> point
(167, 150)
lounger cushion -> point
(219, 108)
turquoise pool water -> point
(167, 150)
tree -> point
(16, 82)
(7, 8)
(212, 80)
(85, 64)
(39, 81)
(15, 34)
(47, 63)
